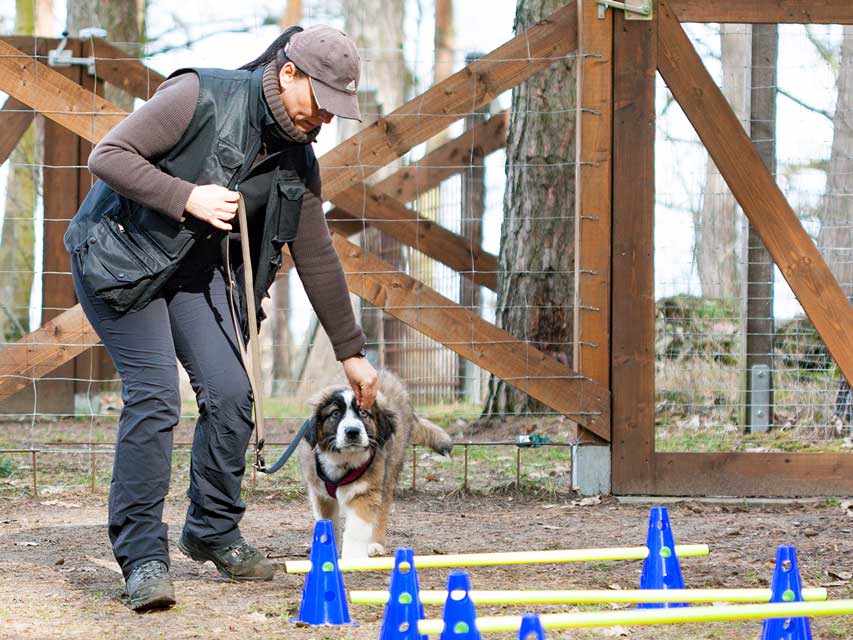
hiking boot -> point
(150, 587)
(237, 562)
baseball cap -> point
(331, 61)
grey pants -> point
(189, 322)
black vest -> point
(126, 252)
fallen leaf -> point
(587, 502)
(840, 575)
(255, 616)
(109, 565)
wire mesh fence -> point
(739, 365)
(456, 181)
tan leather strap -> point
(250, 356)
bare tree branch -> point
(826, 114)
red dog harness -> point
(349, 478)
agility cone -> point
(324, 600)
(459, 615)
(661, 569)
(404, 608)
(531, 627)
(786, 587)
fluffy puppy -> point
(351, 460)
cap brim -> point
(339, 103)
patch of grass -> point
(7, 467)
(446, 414)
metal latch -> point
(61, 57)
(634, 9)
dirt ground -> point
(58, 578)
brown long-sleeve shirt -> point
(126, 160)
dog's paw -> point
(375, 549)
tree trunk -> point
(836, 231)
(537, 253)
(23, 185)
(835, 238)
(718, 256)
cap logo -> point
(351, 85)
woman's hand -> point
(362, 378)
(213, 204)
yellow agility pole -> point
(597, 596)
(489, 624)
(510, 557)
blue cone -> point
(531, 627)
(404, 608)
(324, 600)
(661, 569)
(787, 586)
(459, 614)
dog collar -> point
(349, 478)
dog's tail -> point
(429, 434)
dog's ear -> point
(311, 431)
(386, 424)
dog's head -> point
(340, 425)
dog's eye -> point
(336, 413)
(362, 413)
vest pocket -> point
(230, 157)
(156, 232)
(111, 260)
(289, 190)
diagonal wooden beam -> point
(465, 91)
(56, 97)
(15, 119)
(510, 358)
(38, 353)
(381, 205)
(400, 222)
(755, 189)
(114, 65)
(449, 159)
(765, 11)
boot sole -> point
(204, 558)
(157, 602)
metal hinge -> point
(61, 57)
(634, 9)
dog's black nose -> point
(352, 433)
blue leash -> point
(288, 452)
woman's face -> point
(298, 99)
